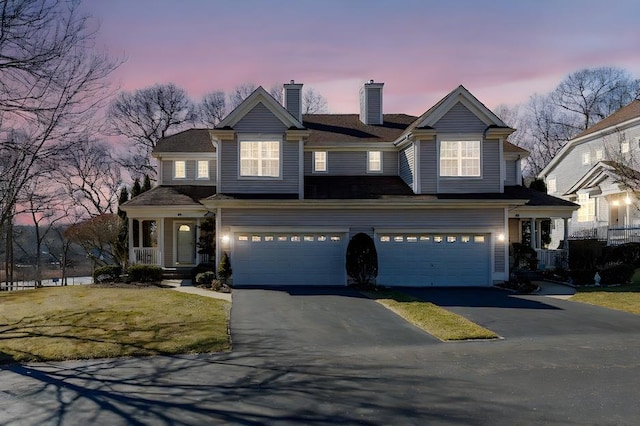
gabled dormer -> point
(260, 147)
(454, 147)
(187, 158)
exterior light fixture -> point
(500, 237)
(225, 239)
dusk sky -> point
(502, 51)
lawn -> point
(433, 319)
(53, 324)
(623, 298)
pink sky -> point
(503, 52)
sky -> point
(502, 51)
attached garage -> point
(305, 258)
(427, 259)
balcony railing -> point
(146, 256)
(622, 235)
(590, 231)
(552, 259)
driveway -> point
(328, 356)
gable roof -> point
(192, 140)
(259, 96)
(349, 128)
(179, 195)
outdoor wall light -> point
(616, 203)
(225, 239)
(500, 237)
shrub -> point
(362, 260)
(628, 253)
(582, 276)
(617, 274)
(520, 283)
(108, 273)
(585, 254)
(205, 278)
(200, 268)
(216, 285)
(224, 268)
(524, 257)
(144, 273)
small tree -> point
(224, 268)
(362, 260)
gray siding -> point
(293, 104)
(374, 106)
(168, 243)
(428, 167)
(407, 165)
(460, 120)
(487, 220)
(510, 172)
(167, 174)
(231, 183)
(352, 163)
(260, 120)
(488, 182)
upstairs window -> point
(203, 169)
(599, 155)
(260, 159)
(624, 147)
(587, 210)
(551, 186)
(460, 158)
(586, 158)
(179, 169)
(320, 161)
(374, 161)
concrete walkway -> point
(185, 286)
(555, 290)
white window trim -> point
(315, 164)
(198, 176)
(369, 169)
(260, 138)
(624, 147)
(460, 176)
(175, 169)
(587, 210)
(586, 158)
(599, 154)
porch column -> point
(566, 233)
(130, 238)
(534, 237)
(161, 241)
(539, 233)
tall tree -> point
(147, 115)
(212, 108)
(240, 93)
(313, 102)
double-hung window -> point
(179, 169)
(587, 210)
(460, 158)
(320, 161)
(260, 159)
(203, 169)
(374, 161)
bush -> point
(205, 278)
(108, 273)
(224, 268)
(585, 254)
(362, 260)
(200, 268)
(617, 274)
(524, 257)
(582, 276)
(628, 253)
(144, 273)
(520, 284)
(216, 285)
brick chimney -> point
(292, 98)
(371, 103)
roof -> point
(509, 147)
(354, 187)
(181, 195)
(625, 113)
(192, 140)
(534, 197)
(349, 128)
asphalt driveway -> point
(329, 356)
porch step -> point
(176, 273)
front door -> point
(185, 243)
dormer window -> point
(179, 169)
(203, 169)
(374, 162)
(260, 159)
(460, 158)
(320, 161)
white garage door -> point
(434, 259)
(289, 259)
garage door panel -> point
(289, 259)
(434, 260)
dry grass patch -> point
(433, 319)
(623, 298)
(53, 324)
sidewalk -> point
(185, 286)
(555, 290)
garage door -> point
(434, 259)
(289, 259)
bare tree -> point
(593, 94)
(212, 108)
(313, 102)
(146, 116)
(240, 93)
(98, 236)
(276, 92)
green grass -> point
(54, 324)
(623, 298)
(433, 319)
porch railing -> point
(627, 234)
(552, 259)
(589, 232)
(146, 256)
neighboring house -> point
(439, 194)
(590, 170)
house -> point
(282, 193)
(592, 170)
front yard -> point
(88, 322)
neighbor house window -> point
(203, 169)
(551, 185)
(599, 155)
(260, 158)
(374, 161)
(587, 209)
(586, 158)
(460, 158)
(320, 161)
(624, 147)
(179, 169)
